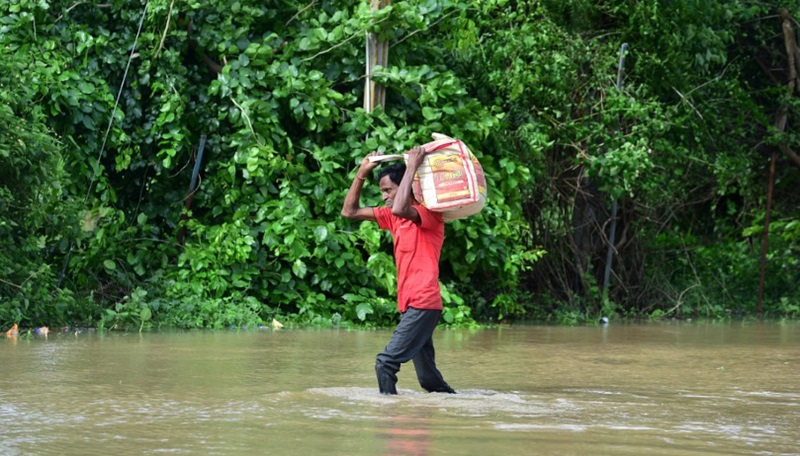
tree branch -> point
(794, 156)
(166, 28)
(792, 54)
(299, 13)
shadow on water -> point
(628, 389)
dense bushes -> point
(277, 90)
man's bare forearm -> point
(352, 200)
(404, 201)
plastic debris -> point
(13, 332)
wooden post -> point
(765, 242)
(377, 55)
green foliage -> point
(674, 146)
(35, 219)
(102, 187)
(276, 92)
(455, 312)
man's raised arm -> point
(352, 206)
(403, 202)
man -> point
(418, 235)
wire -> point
(108, 130)
(116, 102)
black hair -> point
(395, 171)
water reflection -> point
(405, 435)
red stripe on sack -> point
(440, 146)
(471, 178)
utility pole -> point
(377, 55)
(613, 230)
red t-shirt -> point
(416, 254)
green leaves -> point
(321, 233)
(362, 310)
(431, 114)
(623, 169)
(278, 94)
(299, 268)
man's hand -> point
(415, 157)
(352, 208)
(367, 166)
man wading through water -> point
(418, 235)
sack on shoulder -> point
(450, 179)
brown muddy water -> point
(657, 389)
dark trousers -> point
(412, 340)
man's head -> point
(389, 179)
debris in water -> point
(13, 332)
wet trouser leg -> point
(430, 379)
(412, 339)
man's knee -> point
(386, 364)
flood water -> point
(656, 389)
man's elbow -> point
(403, 212)
(350, 212)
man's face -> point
(388, 190)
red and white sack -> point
(450, 179)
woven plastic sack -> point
(450, 179)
